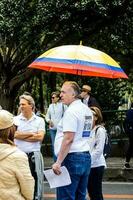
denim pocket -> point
(77, 163)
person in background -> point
(129, 132)
(98, 163)
(28, 137)
(71, 143)
(87, 97)
(38, 112)
(16, 181)
(54, 113)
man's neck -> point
(28, 115)
(86, 97)
(55, 102)
(75, 99)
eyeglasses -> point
(53, 97)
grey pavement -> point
(111, 191)
(114, 172)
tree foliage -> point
(30, 27)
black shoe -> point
(127, 166)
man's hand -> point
(22, 135)
(51, 124)
(30, 137)
(36, 137)
(56, 168)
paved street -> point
(111, 190)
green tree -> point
(28, 28)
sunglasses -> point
(84, 90)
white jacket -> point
(97, 141)
(16, 181)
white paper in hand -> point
(57, 180)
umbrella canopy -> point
(79, 60)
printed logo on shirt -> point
(87, 126)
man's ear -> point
(73, 95)
(96, 117)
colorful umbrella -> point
(79, 60)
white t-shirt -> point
(85, 101)
(55, 113)
(78, 119)
(34, 124)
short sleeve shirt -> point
(55, 113)
(34, 124)
(77, 119)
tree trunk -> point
(51, 84)
(7, 101)
(41, 93)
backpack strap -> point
(98, 128)
(107, 144)
(63, 109)
(106, 136)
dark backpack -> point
(107, 144)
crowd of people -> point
(78, 135)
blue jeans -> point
(52, 135)
(78, 165)
(95, 183)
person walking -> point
(16, 181)
(98, 163)
(129, 131)
(54, 113)
(28, 137)
(87, 97)
(71, 143)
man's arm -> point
(36, 137)
(22, 135)
(65, 147)
(48, 117)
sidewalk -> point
(114, 172)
